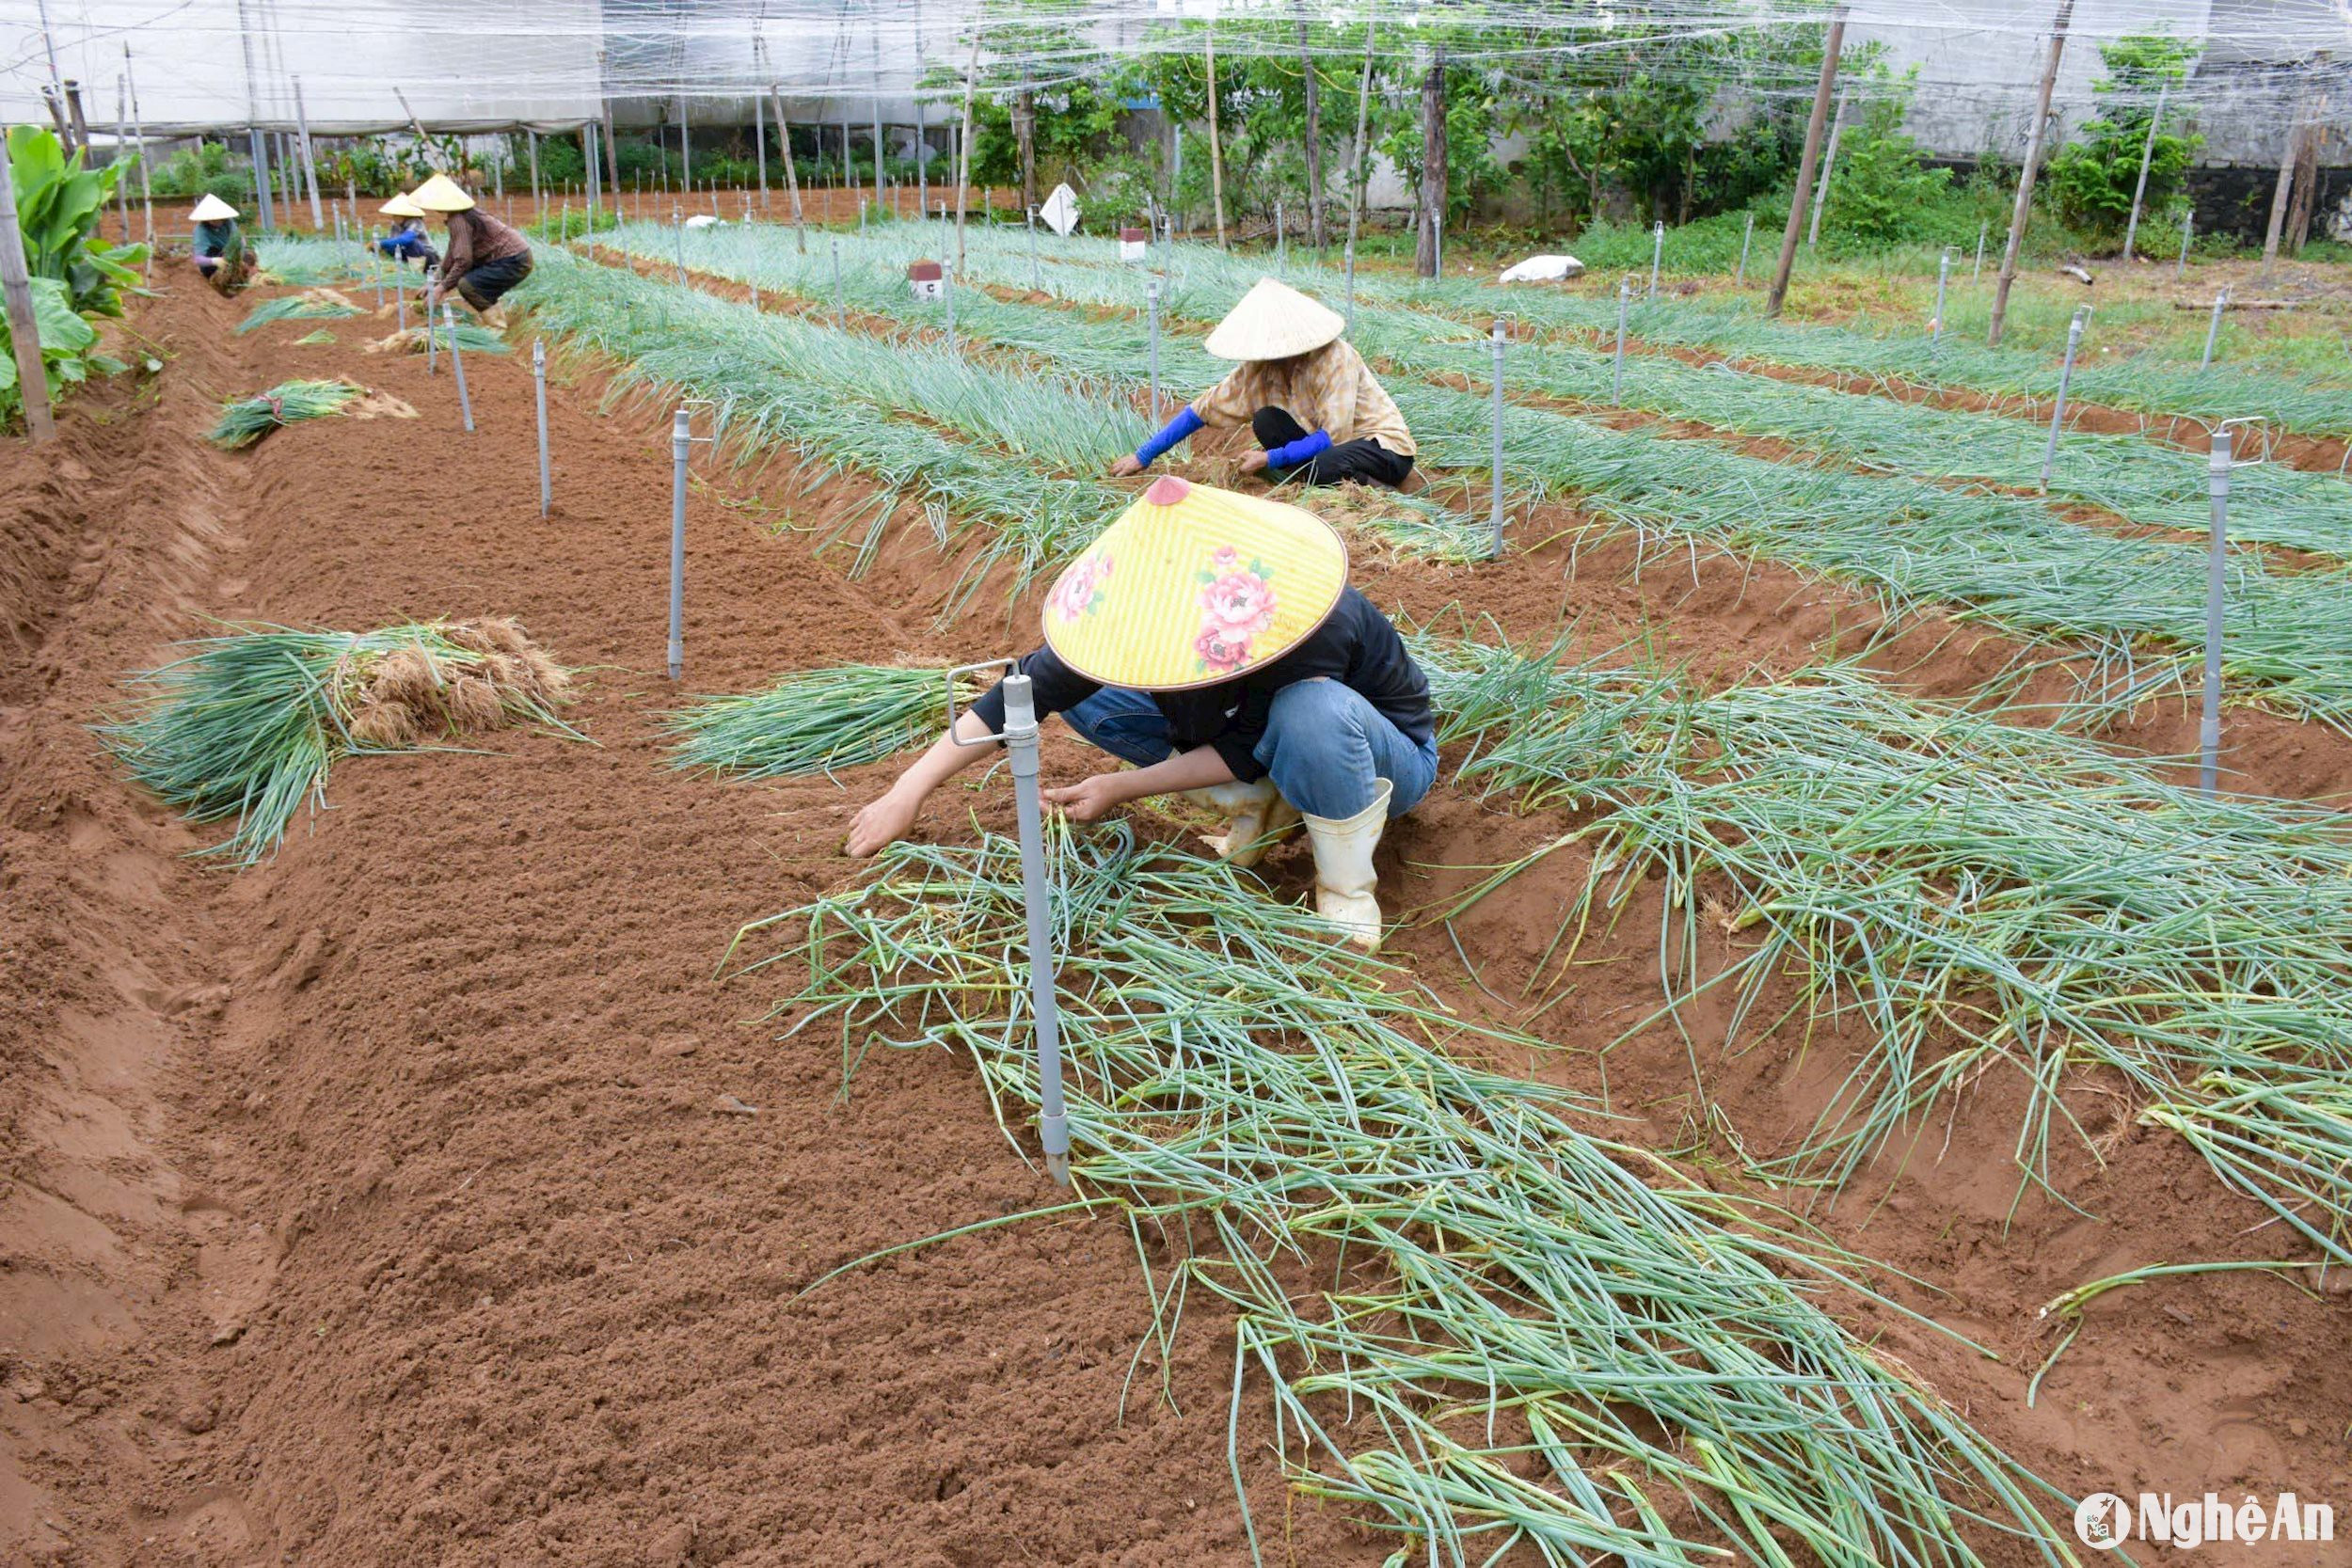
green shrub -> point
(58, 203)
(2092, 180)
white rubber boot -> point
(1255, 816)
(1344, 883)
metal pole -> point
(1152, 309)
(2213, 332)
(948, 292)
(1740, 278)
(1616, 375)
(840, 312)
(310, 162)
(2216, 568)
(123, 139)
(681, 443)
(1982, 230)
(1437, 245)
(759, 137)
(2066, 374)
(457, 364)
(1494, 499)
(539, 379)
(432, 346)
(678, 234)
(1021, 750)
(1656, 254)
(138, 131)
(1829, 163)
(1281, 243)
(538, 202)
(1943, 282)
(2189, 227)
(1035, 287)
(2147, 155)
(260, 175)
(400, 305)
(16, 287)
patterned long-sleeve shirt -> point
(1330, 389)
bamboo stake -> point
(310, 162)
(791, 175)
(16, 289)
(1829, 162)
(2292, 155)
(2024, 209)
(2147, 156)
(1830, 46)
(146, 188)
(1363, 120)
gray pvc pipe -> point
(1616, 373)
(1656, 254)
(681, 444)
(2058, 413)
(1494, 500)
(948, 292)
(840, 312)
(1740, 278)
(1151, 310)
(432, 344)
(1021, 750)
(2213, 332)
(539, 379)
(457, 364)
(1943, 282)
(2216, 566)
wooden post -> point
(759, 142)
(538, 203)
(1216, 151)
(1829, 162)
(963, 147)
(415, 124)
(2288, 157)
(791, 175)
(2147, 156)
(16, 288)
(2025, 175)
(123, 139)
(1830, 46)
(1427, 255)
(611, 143)
(2306, 180)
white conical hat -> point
(441, 194)
(401, 207)
(1274, 321)
(211, 210)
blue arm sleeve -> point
(1299, 451)
(1184, 424)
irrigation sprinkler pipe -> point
(457, 365)
(1656, 254)
(840, 311)
(677, 227)
(1494, 499)
(432, 347)
(2189, 230)
(1982, 230)
(2217, 565)
(2066, 374)
(1740, 278)
(1152, 311)
(539, 381)
(1281, 243)
(1943, 282)
(1031, 220)
(1020, 738)
(1616, 368)
(1350, 254)
(2213, 331)
(948, 292)
(1437, 245)
(681, 446)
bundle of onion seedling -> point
(1482, 1327)
(1977, 894)
(245, 421)
(314, 337)
(246, 725)
(815, 721)
(470, 338)
(317, 305)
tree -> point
(2092, 180)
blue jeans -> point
(1325, 747)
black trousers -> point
(1364, 460)
(484, 285)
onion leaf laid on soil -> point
(1481, 1324)
(318, 305)
(815, 721)
(246, 725)
(245, 421)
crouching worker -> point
(486, 258)
(1308, 396)
(407, 241)
(1212, 640)
(216, 246)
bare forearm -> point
(1195, 770)
(944, 759)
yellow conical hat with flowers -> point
(1193, 586)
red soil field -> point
(390, 1202)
